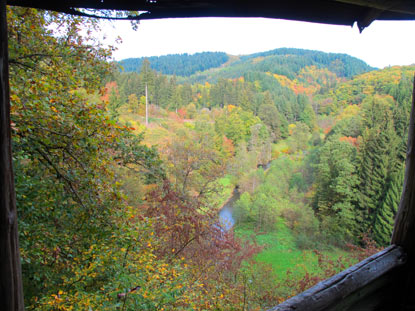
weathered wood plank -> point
(404, 230)
(11, 290)
(328, 294)
(378, 295)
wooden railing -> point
(365, 286)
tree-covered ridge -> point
(283, 61)
(286, 62)
(374, 82)
(342, 65)
(177, 64)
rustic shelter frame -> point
(383, 281)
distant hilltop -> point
(178, 64)
(286, 61)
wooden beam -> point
(404, 230)
(350, 286)
(400, 6)
(11, 289)
(366, 19)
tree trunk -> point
(11, 289)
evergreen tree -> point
(378, 156)
(308, 116)
(384, 217)
(336, 180)
(147, 77)
(246, 99)
(186, 94)
(133, 103)
(271, 117)
(176, 100)
(114, 103)
(402, 95)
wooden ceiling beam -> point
(338, 12)
(398, 6)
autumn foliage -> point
(115, 215)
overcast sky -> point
(381, 44)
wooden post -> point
(404, 230)
(11, 289)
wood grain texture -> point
(404, 230)
(11, 290)
(339, 12)
(329, 294)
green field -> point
(281, 252)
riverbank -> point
(226, 209)
(226, 193)
(226, 212)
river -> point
(226, 212)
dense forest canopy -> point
(342, 65)
(115, 214)
(177, 64)
(288, 62)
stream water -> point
(226, 213)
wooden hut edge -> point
(11, 288)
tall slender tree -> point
(378, 157)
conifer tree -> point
(271, 117)
(147, 76)
(378, 156)
(133, 103)
(384, 217)
(336, 189)
(402, 95)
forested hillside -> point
(120, 196)
(359, 176)
(342, 65)
(286, 62)
(177, 64)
